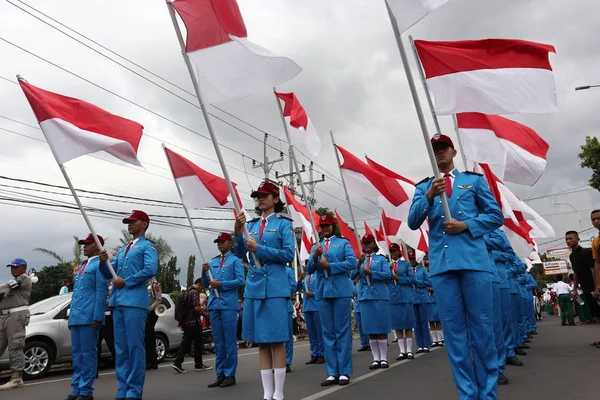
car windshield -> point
(43, 306)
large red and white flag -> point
(199, 188)
(491, 76)
(347, 233)
(74, 128)
(382, 240)
(409, 12)
(299, 213)
(515, 148)
(521, 223)
(301, 130)
(306, 245)
(226, 65)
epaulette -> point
(284, 217)
(341, 237)
(473, 173)
(423, 181)
(151, 241)
(215, 257)
(254, 220)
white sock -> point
(279, 374)
(267, 382)
(375, 349)
(383, 349)
(343, 377)
(441, 334)
(402, 345)
(395, 336)
(409, 345)
(433, 336)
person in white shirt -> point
(564, 301)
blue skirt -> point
(402, 316)
(265, 320)
(375, 317)
(433, 315)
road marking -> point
(334, 389)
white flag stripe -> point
(409, 12)
(309, 137)
(195, 195)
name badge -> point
(335, 245)
(253, 233)
(465, 186)
(271, 230)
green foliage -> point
(190, 271)
(168, 276)
(50, 281)
(76, 253)
(590, 158)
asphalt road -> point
(560, 365)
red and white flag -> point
(409, 12)
(382, 240)
(491, 76)
(306, 245)
(299, 213)
(347, 233)
(226, 65)
(515, 148)
(368, 230)
(199, 188)
(74, 128)
(301, 130)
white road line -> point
(334, 389)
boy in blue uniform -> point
(402, 315)
(334, 298)
(460, 268)
(227, 277)
(308, 285)
(86, 317)
(134, 264)
(421, 303)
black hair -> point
(559, 278)
(595, 212)
(279, 207)
(572, 233)
(198, 281)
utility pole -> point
(266, 164)
(290, 175)
(312, 182)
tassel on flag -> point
(301, 130)
(226, 65)
(347, 233)
(491, 76)
(409, 12)
(517, 149)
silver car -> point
(48, 340)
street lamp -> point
(586, 87)
(574, 209)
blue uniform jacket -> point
(309, 303)
(497, 241)
(513, 272)
(402, 292)
(293, 288)
(90, 289)
(231, 276)
(493, 269)
(275, 249)
(380, 273)
(341, 259)
(532, 283)
(139, 265)
(420, 294)
(465, 251)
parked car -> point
(48, 340)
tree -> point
(590, 158)
(168, 276)
(50, 281)
(76, 254)
(190, 271)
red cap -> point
(326, 219)
(411, 255)
(439, 138)
(266, 187)
(367, 238)
(394, 247)
(135, 216)
(90, 239)
(425, 262)
(223, 236)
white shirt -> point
(562, 288)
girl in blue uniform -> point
(374, 299)
(435, 325)
(271, 239)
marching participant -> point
(289, 344)
(308, 285)
(86, 318)
(402, 315)
(374, 299)
(364, 339)
(334, 299)
(435, 326)
(228, 276)
(271, 238)
(421, 303)
(155, 296)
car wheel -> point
(38, 359)
(162, 347)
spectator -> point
(564, 301)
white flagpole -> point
(385, 237)
(460, 142)
(420, 116)
(298, 174)
(187, 214)
(209, 126)
(337, 156)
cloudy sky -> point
(352, 83)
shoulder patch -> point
(473, 173)
(342, 238)
(284, 217)
(151, 241)
(255, 219)
(215, 257)
(423, 181)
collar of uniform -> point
(453, 173)
(91, 258)
(266, 218)
(134, 241)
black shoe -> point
(313, 360)
(419, 350)
(85, 398)
(203, 367)
(434, 344)
(320, 360)
(288, 369)
(384, 364)
(426, 350)
(514, 361)
(375, 365)
(519, 351)
(364, 348)
(527, 340)
(395, 341)
(344, 382)
(525, 346)
(71, 397)
(330, 382)
(217, 382)
(178, 367)
(402, 356)
(502, 380)
(410, 356)
(534, 333)
(229, 381)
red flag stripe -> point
(294, 110)
(347, 233)
(386, 171)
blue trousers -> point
(130, 365)
(84, 347)
(515, 300)
(507, 323)
(532, 317)
(364, 339)
(289, 344)
(498, 329)
(337, 335)
(465, 308)
(315, 334)
(422, 314)
(224, 330)
(523, 322)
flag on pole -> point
(347, 233)
(391, 225)
(299, 213)
(199, 188)
(517, 149)
(383, 241)
(409, 12)
(227, 66)
(492, 76)
(301, 130)
(306, 244)
(368, 230)
(74, 128)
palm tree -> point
(76, 253)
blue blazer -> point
(497, 241)
(231, 276)
(465, 251)
(420, 294)
(90, 289)
(275, 249)
(380, 273)
(139, 265)
(309, 303)
(402, 292)
(341, 259)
